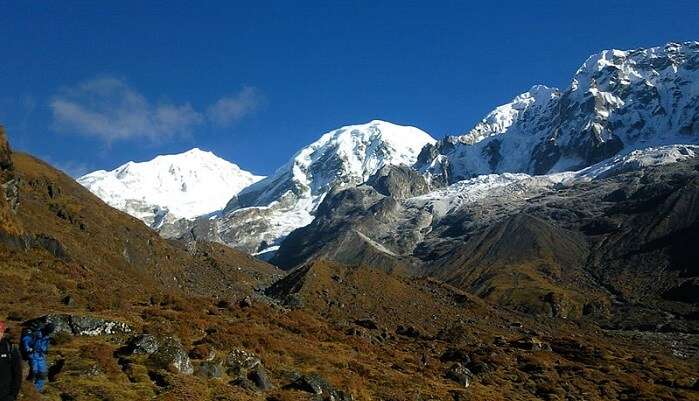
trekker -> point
(10, 368)
(35, 346)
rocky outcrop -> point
(82, 325)
(399, 182)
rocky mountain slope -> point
(617, 101)
(554, 245)
(170, 187)
(139, 317)
(261, 215)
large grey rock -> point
(144, 344)
(164, 352)
(260, 377)
(170, 353)
(82, 325)
(239, 362)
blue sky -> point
(90, 85)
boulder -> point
(163, 352)
(460, 374)
(239, 362)
(171, 354)
(367, 323)
(245, 302)
(407, 331)
(531, 344)
(316, 385)
(143, 344)
(260, 377)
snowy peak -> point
(357, 152)
(618, 101)
(349, 154)
(184, 185)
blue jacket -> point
(36, 344)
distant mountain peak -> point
(183, 185)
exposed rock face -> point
(617, 101)
(339, 231)
(399, 182)
(144, 344)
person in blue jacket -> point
(35, 344)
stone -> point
(143, 344)
(316, 385)
(244, 383)
(313, 384)
(239, 362)
(245, 302)
(367, 323)
(456, 355)
(260, 377)
(170, 353)
(209, 370)
(460, 374)
(407, 331)
(531, 344)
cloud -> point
(231, 109)
(109, 109)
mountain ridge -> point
(618, 101)
(261, 215)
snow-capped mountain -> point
(170, 187)
(265, 212)
(618, 101)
